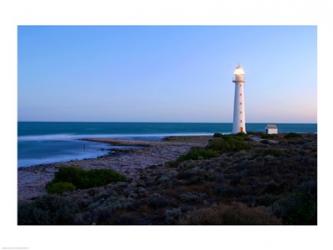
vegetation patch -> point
(298, 207)
(199, 154)
(216, 146)
(218, 135)
(60, 187)
(228, 143)
(230, 214)
(292, 136)
(47, 210)
(69, 178)
(269, 136)
(270, 151)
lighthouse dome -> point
(239, 70)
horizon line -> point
(170, 122)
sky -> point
(166, 73)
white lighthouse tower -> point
(239, 104)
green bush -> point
(217, 145)
(198, 154)
(82, 179)
(59, 187)
(218, 135)
(292, 136)
(269, 136)
(229, 143)
(253, 133)
(239, 135)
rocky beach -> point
(220, 179)
(139, 155)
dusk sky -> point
(166, 73)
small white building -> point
(271, 129)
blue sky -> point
(165, 73)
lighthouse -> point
(239, 104)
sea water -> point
(49, 142)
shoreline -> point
(113, 140)
(32, 179)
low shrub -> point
(266, 199)
(219, 144)
(240, 135)
(292, 136)
(47, 210)
(218, 135)
(265, 141)
(59, 187)
(270, 151)
(171, 164)
(230, 214)
(269, 136)
(229, 143)
(198, 154)
(299, 207)
(82, 179)
(253, 133)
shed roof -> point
(271, 126)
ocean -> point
(49, 142)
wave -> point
(65, 137)
(26, 162)
(49, 137)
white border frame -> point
(155, 12)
